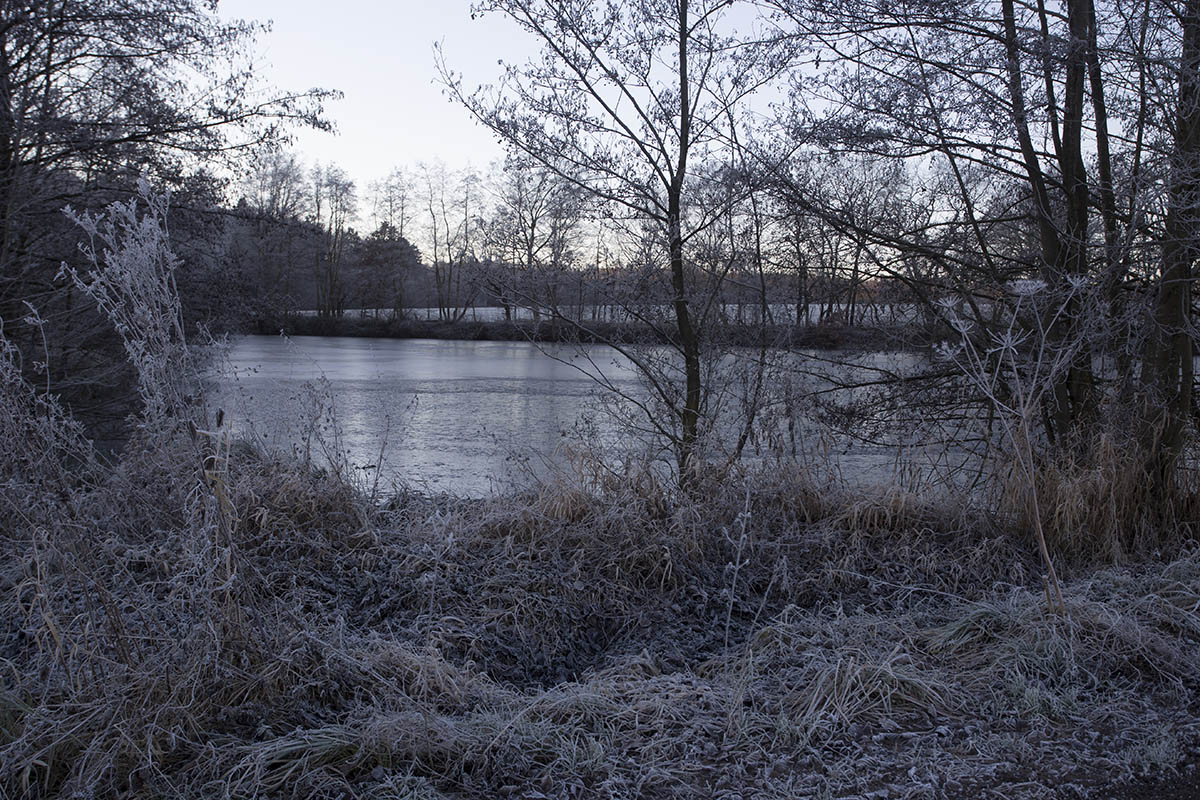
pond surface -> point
(469, 418)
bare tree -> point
(626, 100)
(1168, 370)
(392, 201)
(334, 208)
(453, 224)
(531, 235)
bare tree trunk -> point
(688, 340)
(1074, 399)
(1062, 253)
(1167, 369)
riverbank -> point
(823, 336)
(262, 629)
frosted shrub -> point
(38, 438)
(132, 280)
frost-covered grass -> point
(602, 641)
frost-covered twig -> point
(1015, 369)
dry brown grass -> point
(1100, 505)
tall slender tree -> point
(625, 101)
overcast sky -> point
(380, 54)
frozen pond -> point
(458, 416)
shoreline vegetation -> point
(817, 336)
(246, 625)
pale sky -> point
(380, 54)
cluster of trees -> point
(292, 238)
(954, 147)
(519, 237)
(93, 94)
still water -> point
(455, 416)
(470, 418)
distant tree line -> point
(516, 237)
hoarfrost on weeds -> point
(132, 281)
(1027, 287)
(947, 350)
